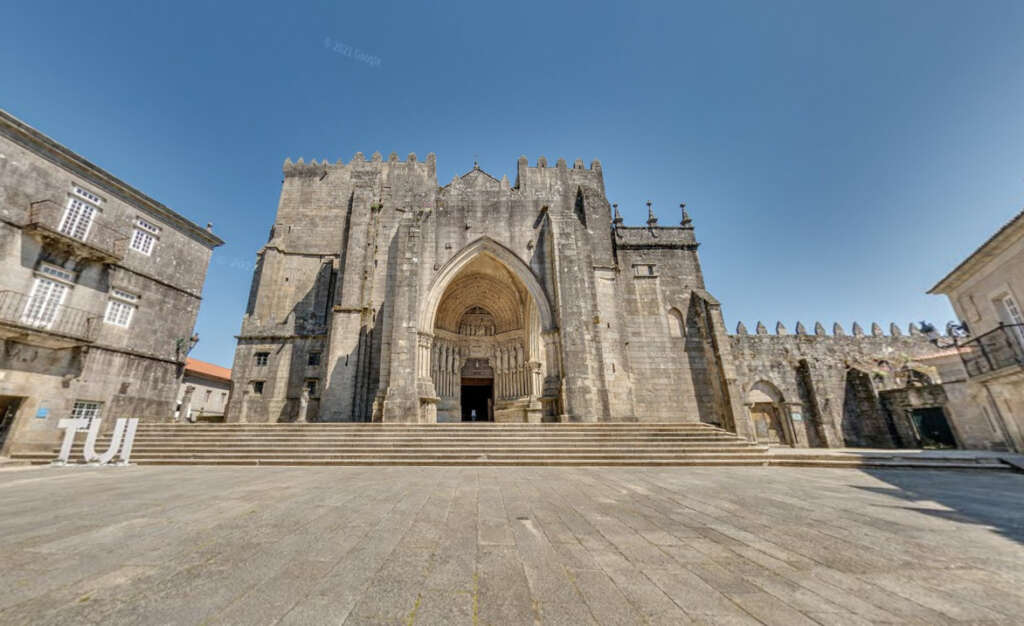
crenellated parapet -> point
(319, 169)
(544, 176)
(837, 330)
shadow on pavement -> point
(994, 499)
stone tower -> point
(392, 299)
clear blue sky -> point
(837, 158)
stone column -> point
(554, 383)
(424, 383)
(186, 404)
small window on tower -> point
(262, 358)
(312, 386)
(257, 387)
(314, 358)
(644, 270)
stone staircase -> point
(481, 444)
(431, 444)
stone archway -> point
(492, 339)
(768, 414)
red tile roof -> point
(209, 370)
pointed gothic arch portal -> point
(493, 341)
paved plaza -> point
(163, 545)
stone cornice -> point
(1003, 238)
(41, 145)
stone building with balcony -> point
(987, 290)
(100, 286)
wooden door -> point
(767, 425)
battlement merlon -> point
(317, 169)
(652, 237)
(541, 176)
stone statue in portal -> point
(303, 405)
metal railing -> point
(48, 216)
(999, 348)
(64, 320)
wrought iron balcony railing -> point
(995, 350)
(51, 322)
(93, 238)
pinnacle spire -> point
(618, 216)
(687, 222)
(651, 220)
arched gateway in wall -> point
(491, 337)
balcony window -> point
(120, 308)
(88, 195)
(44, 303)
(79, 214)
(144, 237)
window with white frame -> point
(57, 272)
(88, 195)
(79, 213)
(120, 308)
(144, 236)
(1011, 314)
(87, 410)
(48, 293)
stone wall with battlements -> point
(834, 389)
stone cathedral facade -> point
(382, 296)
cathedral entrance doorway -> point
(477, 391)
(488, 360)
(477, 400)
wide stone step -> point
(449, 432)
(432, 444)
(427, 443)
(422, 442)
(892, 463)
(719, 461)
(651, 461)
(438, 435)
(137, 451)
(431, 427)
(466, 453)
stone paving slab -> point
(407, 545)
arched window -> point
(676, 324)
